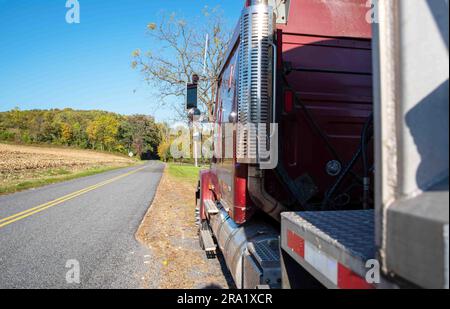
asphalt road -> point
(46, 233)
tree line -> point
(93, 129)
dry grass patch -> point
(169, 230)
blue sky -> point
(48, 63)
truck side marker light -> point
(338, 274)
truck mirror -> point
(194, 114)
(232, 118)
(191, 96)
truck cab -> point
(293, 197)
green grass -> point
(54, 176)
(56, 172)
(184, 171)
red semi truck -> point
(310, 195)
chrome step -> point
(207, 241)
(211, 207)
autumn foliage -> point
(92, 129)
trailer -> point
(330, 165)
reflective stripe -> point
(347, 279)
(296, 243)
(322, 262)
(338, 274)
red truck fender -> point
(204, 191)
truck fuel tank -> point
(250, 250)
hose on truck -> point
(362, 150)
(316, 127)
(313, 122)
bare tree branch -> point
(181, 54)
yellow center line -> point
(31, 211)
(51, 202)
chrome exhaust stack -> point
(255, 88)
(256, 101)
(257, 2)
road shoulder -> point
(169, 231)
